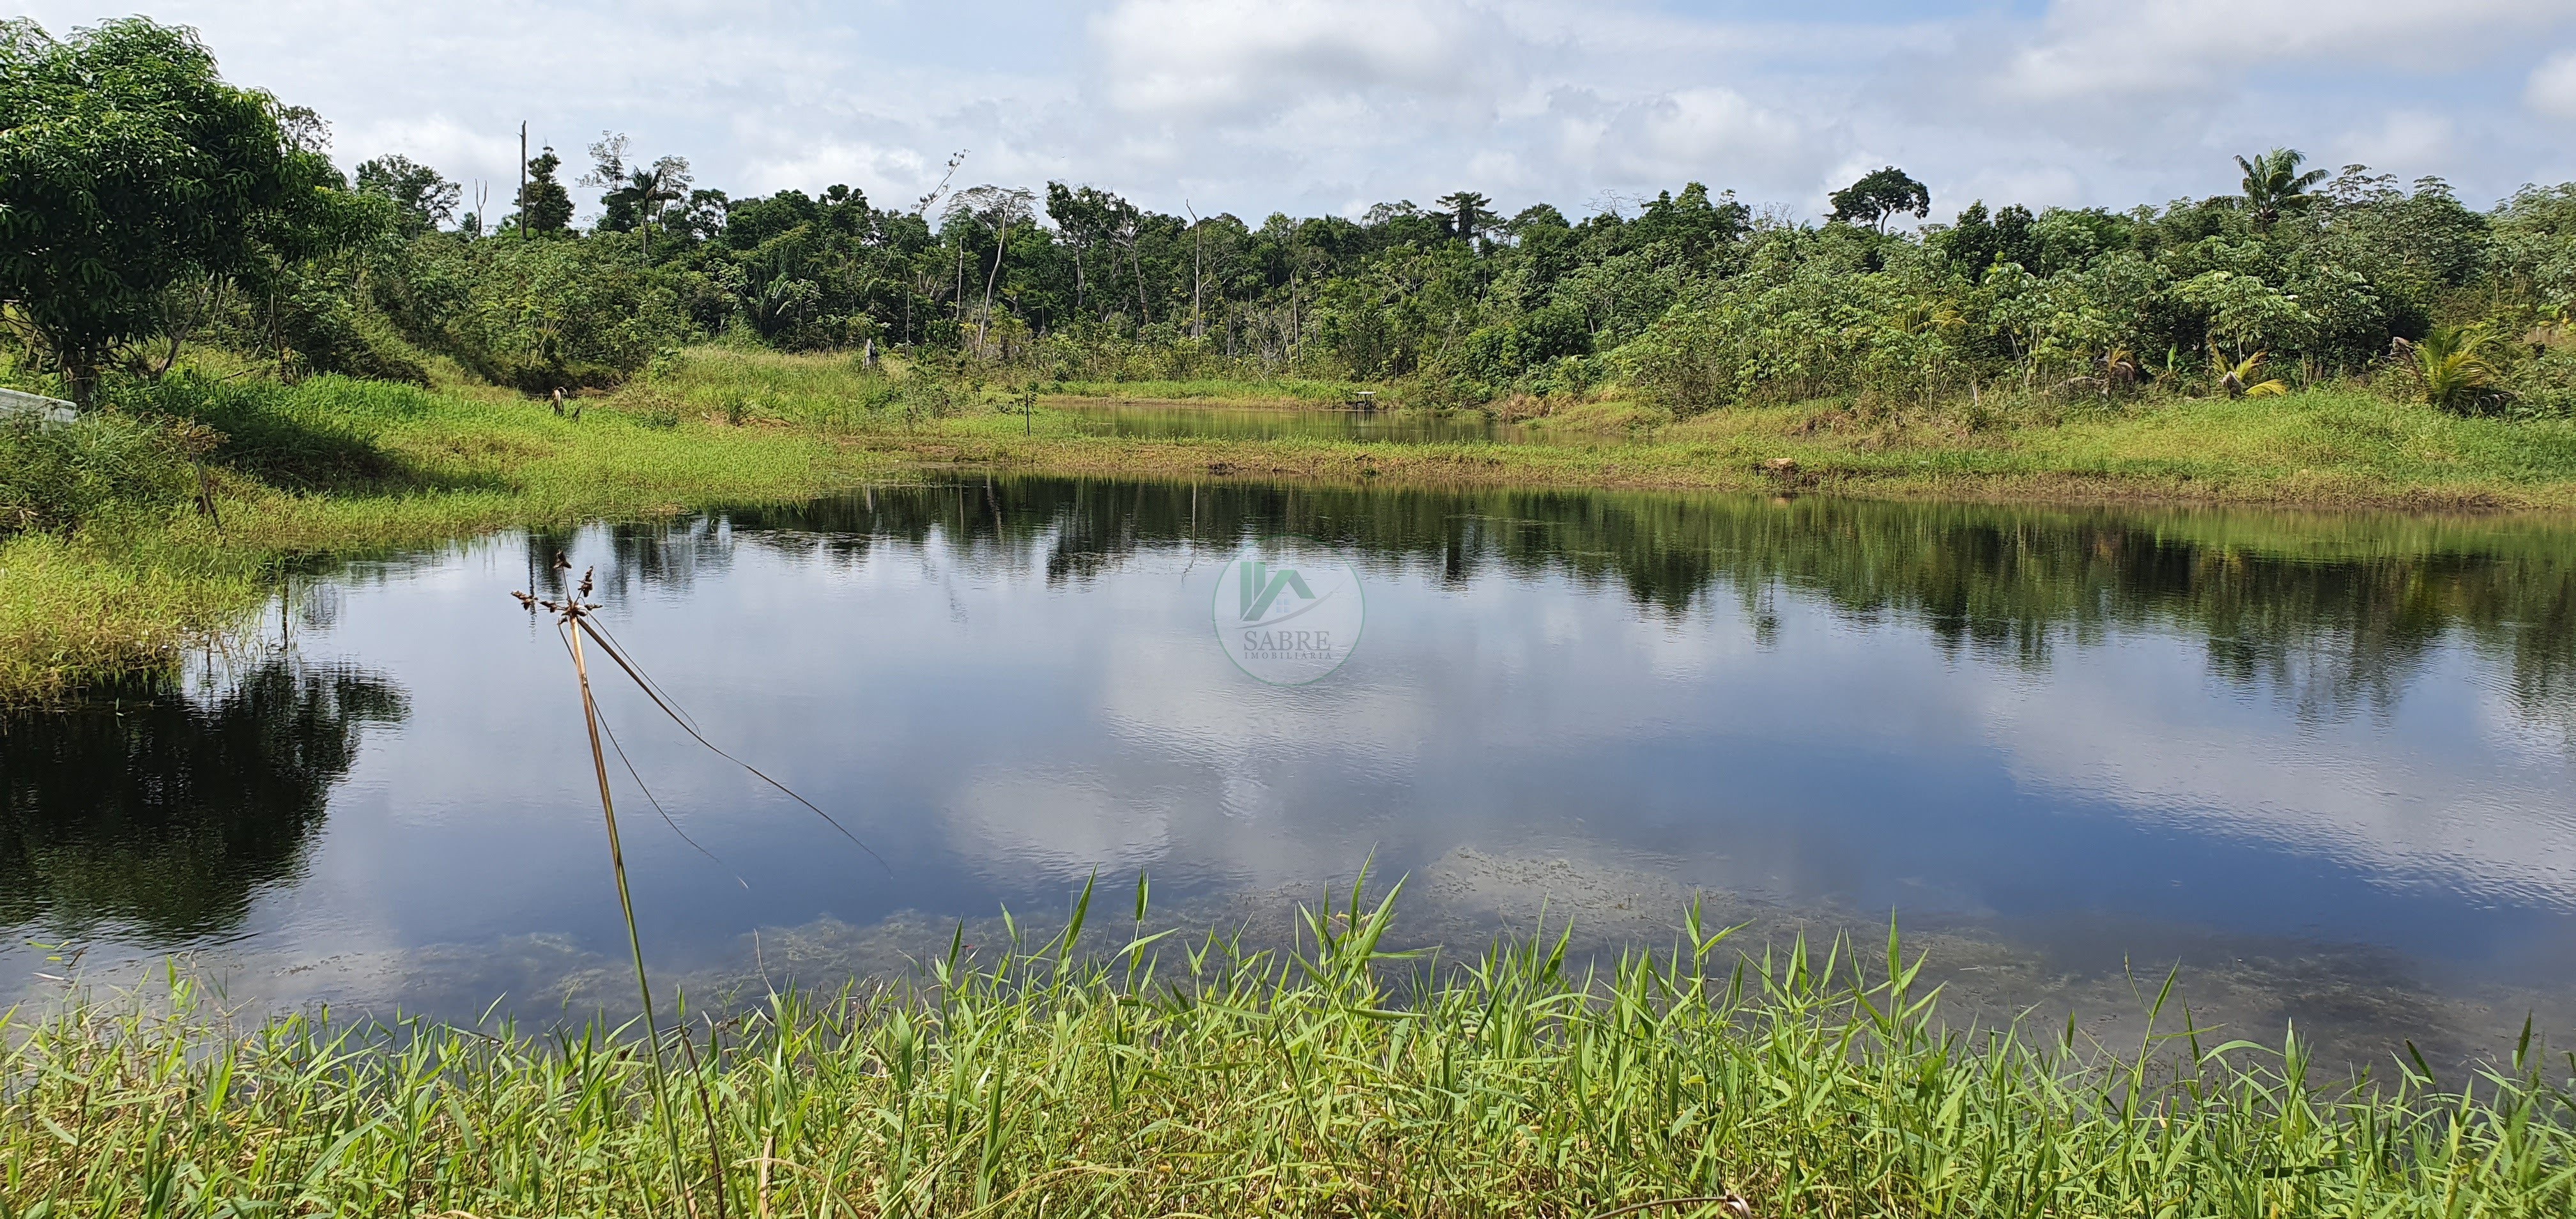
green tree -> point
(2274, 185)
(635, 193)
(545, 207)
(421, 198)
(130, 168)
(2252, 315)
(1466, 212)
(1881, 196)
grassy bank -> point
(137, 568)
(1195, 1079)
(2322, 448)
(2319, 450)
(1215, 392)
(336, 467)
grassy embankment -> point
(1334, 1080)
(335, 467)
(2328, 448)
(330, 467)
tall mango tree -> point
(130, 170)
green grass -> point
(335, 467)
(1197, 1078)
(2325, 448)
(340, 467)
(1282, 392)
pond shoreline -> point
(118, 595)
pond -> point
(2321, 764)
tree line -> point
(150, 207)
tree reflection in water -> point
(165, 816)
(2333, 615)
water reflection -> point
(163, 816)
(2336, 617)
(2321, 759)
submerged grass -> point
(1177, 1078)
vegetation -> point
(137, 551)
(259, 367)
(1688, 302)
(139, 185)
(2327, 446)
(1334, 1078)
(278, 362)
(154, 522)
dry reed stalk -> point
(569, 615)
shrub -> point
(56, 476)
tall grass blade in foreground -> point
(1040, 1076)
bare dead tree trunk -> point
(1198, 276)
(1135, 264)
(1296, 329)
(1001, 241)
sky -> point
(1315, 106)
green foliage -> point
(1164, 1076)
(2456, 369)
(545, 315)
(2273, 183)
(1684, 302)
(2248, 314)
(544, 206)
(132, 169)
(56, 476)
(1502, 354)
(1881, 196)
(423, 199)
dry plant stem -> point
(572, 613)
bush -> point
(544, 315)
(56, 476)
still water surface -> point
(2324, 764)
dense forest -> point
(152, 210)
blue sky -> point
(1253, 106)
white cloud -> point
(2098, 48)
(1307, 105)
(1199, 60)
(2406, 141)
(2552, 90)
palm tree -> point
(2273, 183)
(2456, 368)
(2236, 377)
